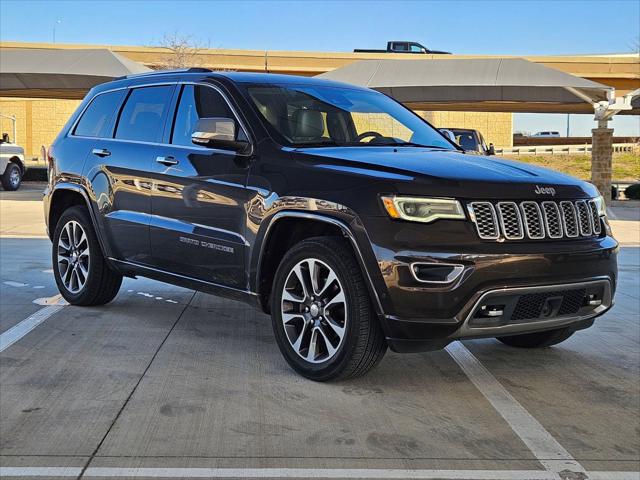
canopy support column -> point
(601, 159)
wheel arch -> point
(296, 226)
(18, 161)
(65, 196)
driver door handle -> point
(101, 152)
(167, 160)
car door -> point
(124, 168)
(198, 204)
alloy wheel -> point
(314, 310)
(14, 177)
(73, 256)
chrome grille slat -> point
(510, 221)
(569, 219)
(535, 220)
(484, 216)
(532, 220)
(583, 218)
(552, 223)
(595, 218)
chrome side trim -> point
(453, 276)
(465, 331)
(345, 230)
(177, 275)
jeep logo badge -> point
(545, 191)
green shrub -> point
(632, 192)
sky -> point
(510, 27)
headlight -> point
(425, 210)
(601, 206)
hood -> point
(427, 171)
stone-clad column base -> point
(601, 157)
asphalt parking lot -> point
(168, 383)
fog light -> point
(490, 311)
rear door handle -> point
(167, 160)
(101, 152)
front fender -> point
(350, 226)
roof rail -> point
(167, 72)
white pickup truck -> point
(12, 166)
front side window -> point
(324, 115)
(142, 118)
(96, 119)
(196, 102)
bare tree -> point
(182, 52)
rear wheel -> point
(12, 177)
(81, 272)
(322, 315)
(539, 339)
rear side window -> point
(96, 119)
(143, 114)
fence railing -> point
(562, 149)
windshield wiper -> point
(327, 143)
(404, 144)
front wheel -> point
(322, 315)
(12, 177)
(80, 270)
(539, 339)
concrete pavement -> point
(168, 383)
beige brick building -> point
(37, 121)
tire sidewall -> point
(79, 215)
(329, 368)
(7, 177)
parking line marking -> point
(40, 472)
(328, 473)
(553, 456)
(19, 330)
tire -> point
(347, 322)
(12, 177)
(539, 339)
(101, 284)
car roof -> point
(455, 129)
(235, 77)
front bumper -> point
(423, 316)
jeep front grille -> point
(535, 220)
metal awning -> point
(67, 74)
(476, 84)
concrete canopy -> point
(67, 74)
(476, 84)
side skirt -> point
(131, 269)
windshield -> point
(300, 116)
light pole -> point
(57, 22)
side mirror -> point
(491, 150)
(218, 132)
(5, 138)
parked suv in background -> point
(12, 166)
(344, 215)
(470, 140)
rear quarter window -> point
(96, 120)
